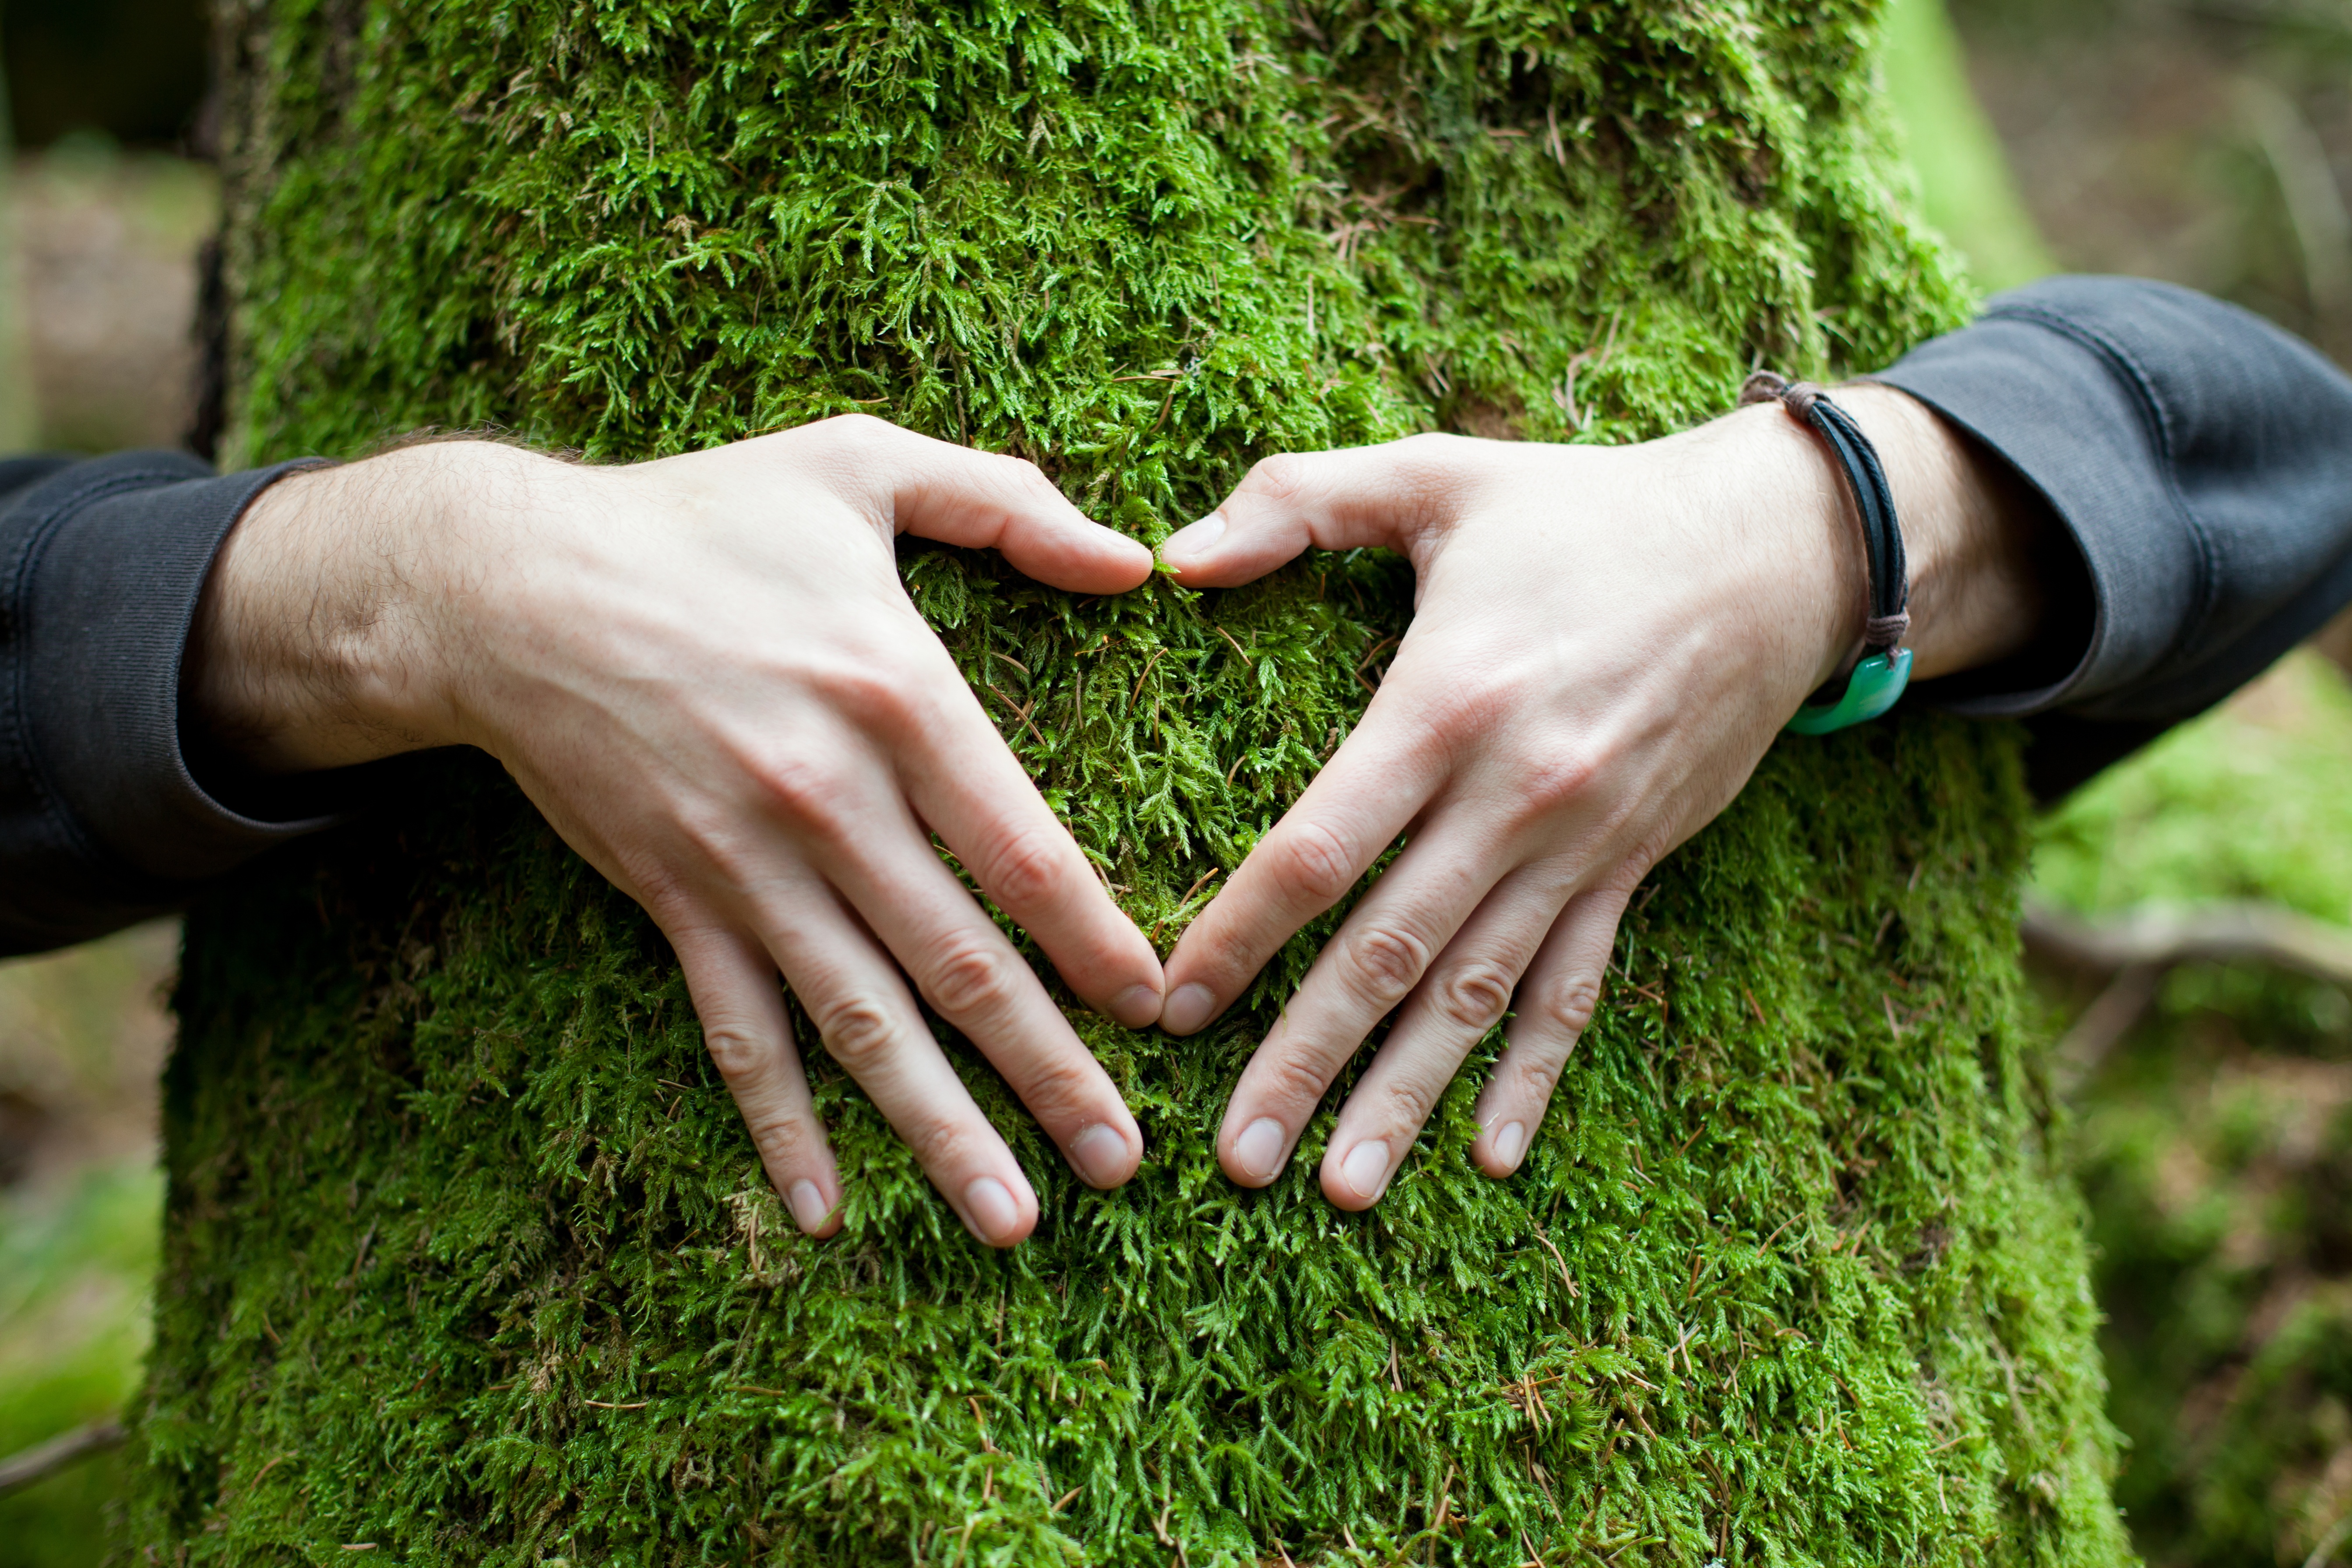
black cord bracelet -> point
(1871, 679)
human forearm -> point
(323, 635)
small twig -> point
(1199, 882)
(2324, 1552)
(1565, 1277)
(22, 1469)
(1145, 675)
(2109, 1019)
(1019, 712)
(607, 1404)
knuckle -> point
(808, 792)
(1569, 1007)
(1639, 861)
(1024, 871)
(1534, 1074)
(1383, 964)
(739, 1054)
(776, 1132)
(1402, 1102)
(970, 980)
(1059, 1091)
(939, 1141)
(1472, 995)
(1313, 865)
(856, 1030)
(1556, 782)
(857, 428)
(1022, 472)
(1291, 1083)
(870, 684)
(1427, 465)
(1282, 479)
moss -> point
(470, 1258)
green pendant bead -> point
(1876, 684)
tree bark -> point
(470, 1258)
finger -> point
(969, 789)
(987, 501)
(1365, 971)
(1464, 994)
(1341, 499)
(965, 968)
(1555, 1000)
(741, 1002)
(854, 995)
(1379, 781)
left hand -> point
(1605, 643)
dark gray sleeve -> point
(102, 820)
(2199, 459)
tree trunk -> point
(469, 1257)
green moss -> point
(469, 1257)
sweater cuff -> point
(2071, 413)
(129, 542)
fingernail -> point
(1260, 1147)
(1509, 1138)
(1187, 1010)
(1137, 1005)
(993, 1211)
(1195, 537)
(1366, 1168)
(1100, 1155)
(808, 1206)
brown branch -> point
(2162, 938)
(2137, 949)
(20, 1470)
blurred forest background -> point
(2194, 905)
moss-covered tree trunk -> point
(469, 1257)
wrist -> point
(317, 641)
(1806, 578)
(1972, 532)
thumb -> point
(1342, 500)
(986, 500)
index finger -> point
(992, 500)
(1379, 782)
(966, 784)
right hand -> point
(706, 673)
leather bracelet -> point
(1867, 684)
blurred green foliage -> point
(76, 1257)
(2253, 801)
(2215, 1143)
(80, 1201)
(1965, 186)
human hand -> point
(706, 673)
(1605, 642)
